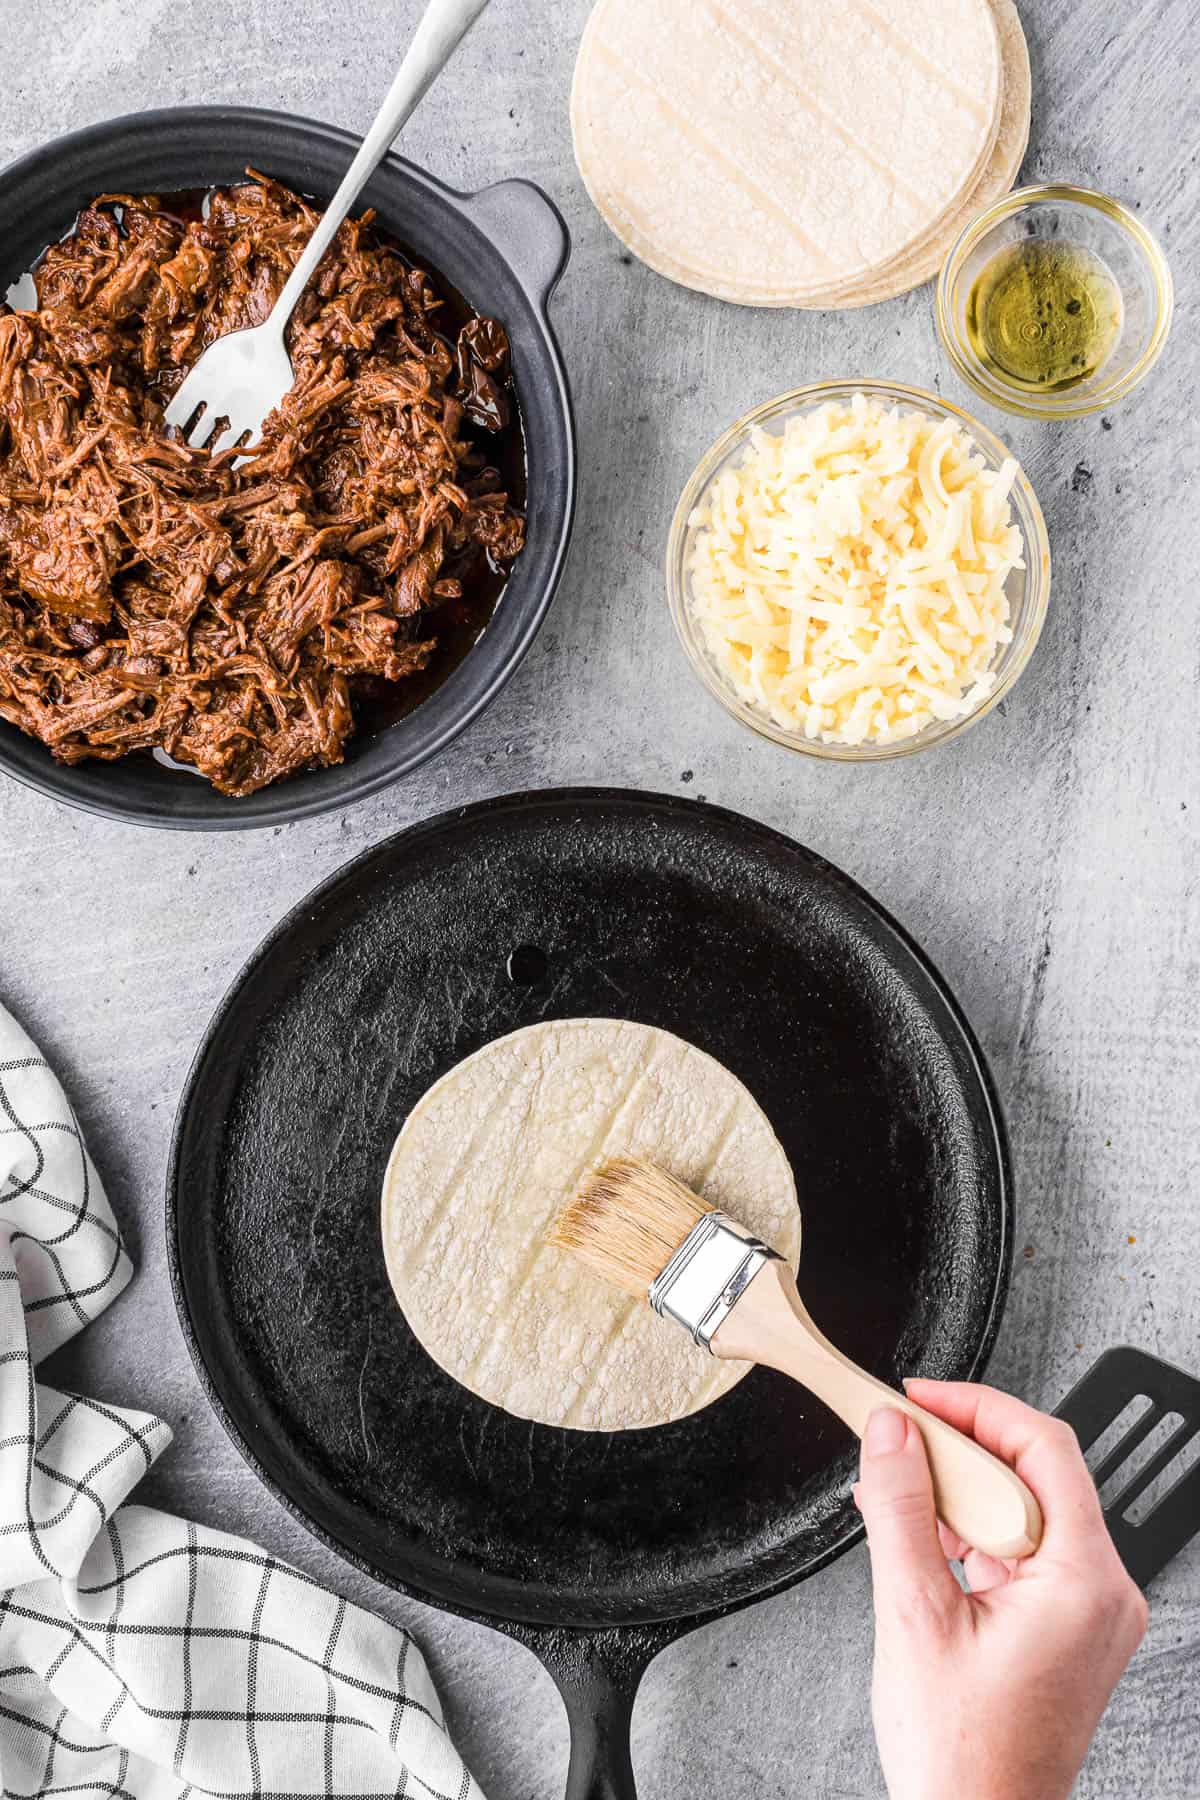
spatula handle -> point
(980, 1498)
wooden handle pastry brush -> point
(634, 1224)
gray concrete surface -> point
(1048, 861)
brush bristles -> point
(627, 1220)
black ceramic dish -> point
(504, 248)
(594, 1549)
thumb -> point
(895, 1497)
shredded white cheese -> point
(848, 573)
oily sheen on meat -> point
(154, 596)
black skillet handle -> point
(601, 1715)
(598, 1674)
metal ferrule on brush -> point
(708, 1274)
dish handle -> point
(598, 1675)
(537, 244)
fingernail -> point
(886, 1432)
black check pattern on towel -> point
(142, 1656)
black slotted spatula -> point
(1147, 1529)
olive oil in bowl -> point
(1044, 314)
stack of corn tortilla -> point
(815, 153)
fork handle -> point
(443, 26)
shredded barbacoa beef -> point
(152, 595)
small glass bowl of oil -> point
(1054, 302)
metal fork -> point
(246, 373)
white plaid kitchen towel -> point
(142, 1657)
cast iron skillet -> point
(594, 1549)
(504, 248)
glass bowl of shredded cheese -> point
(858, 570)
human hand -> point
(993, 1694)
